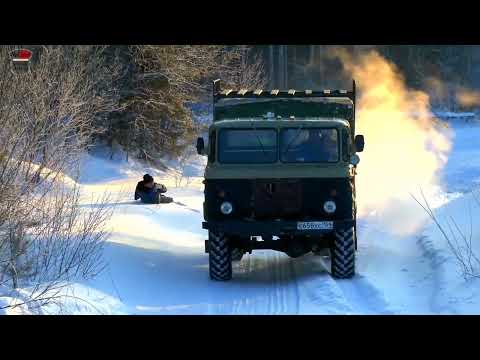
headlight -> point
(226, 208)
(329, 207)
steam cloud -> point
(468, 98)
(405, 146)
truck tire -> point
(343, 254)
(220, 257)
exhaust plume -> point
(468, 98)
(405, 146)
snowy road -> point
(157, 263)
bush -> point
(47, 116)
(459, 241)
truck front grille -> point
(288, 199)
(277, 199)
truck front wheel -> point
(343, 254)
(220, 258)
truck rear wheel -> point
(220, 258)
(343, 254)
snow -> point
(454, 293)
(449, 114)
(157, 264)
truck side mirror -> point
(200, 146)
(359, 143)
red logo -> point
(21, 55)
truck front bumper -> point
(275, 228)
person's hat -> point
(147, 178)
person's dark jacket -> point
(149, 195)
(141, 188)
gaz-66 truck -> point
(281, 176)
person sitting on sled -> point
(150, 192)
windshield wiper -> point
(259, 141)
(292, 141)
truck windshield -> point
(308, 145)
(247, 146)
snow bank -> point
(454, 115)
(462, 172)
(98, 166)
(455, 293)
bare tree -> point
(180, 173)
(47, 116)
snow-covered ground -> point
(157, 264)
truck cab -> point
(281, 176)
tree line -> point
(157, 86)
(424, 67)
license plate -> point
(315, 225)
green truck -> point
(281, 175)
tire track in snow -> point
(436, 260)
(318, 293)
(360, 293)
(286, 287)
(273, 283)
(365, 297)
(325, 295)
(286, 283)
(268, 284)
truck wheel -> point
(343, 254)
(220, 260)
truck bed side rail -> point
(219, 93)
